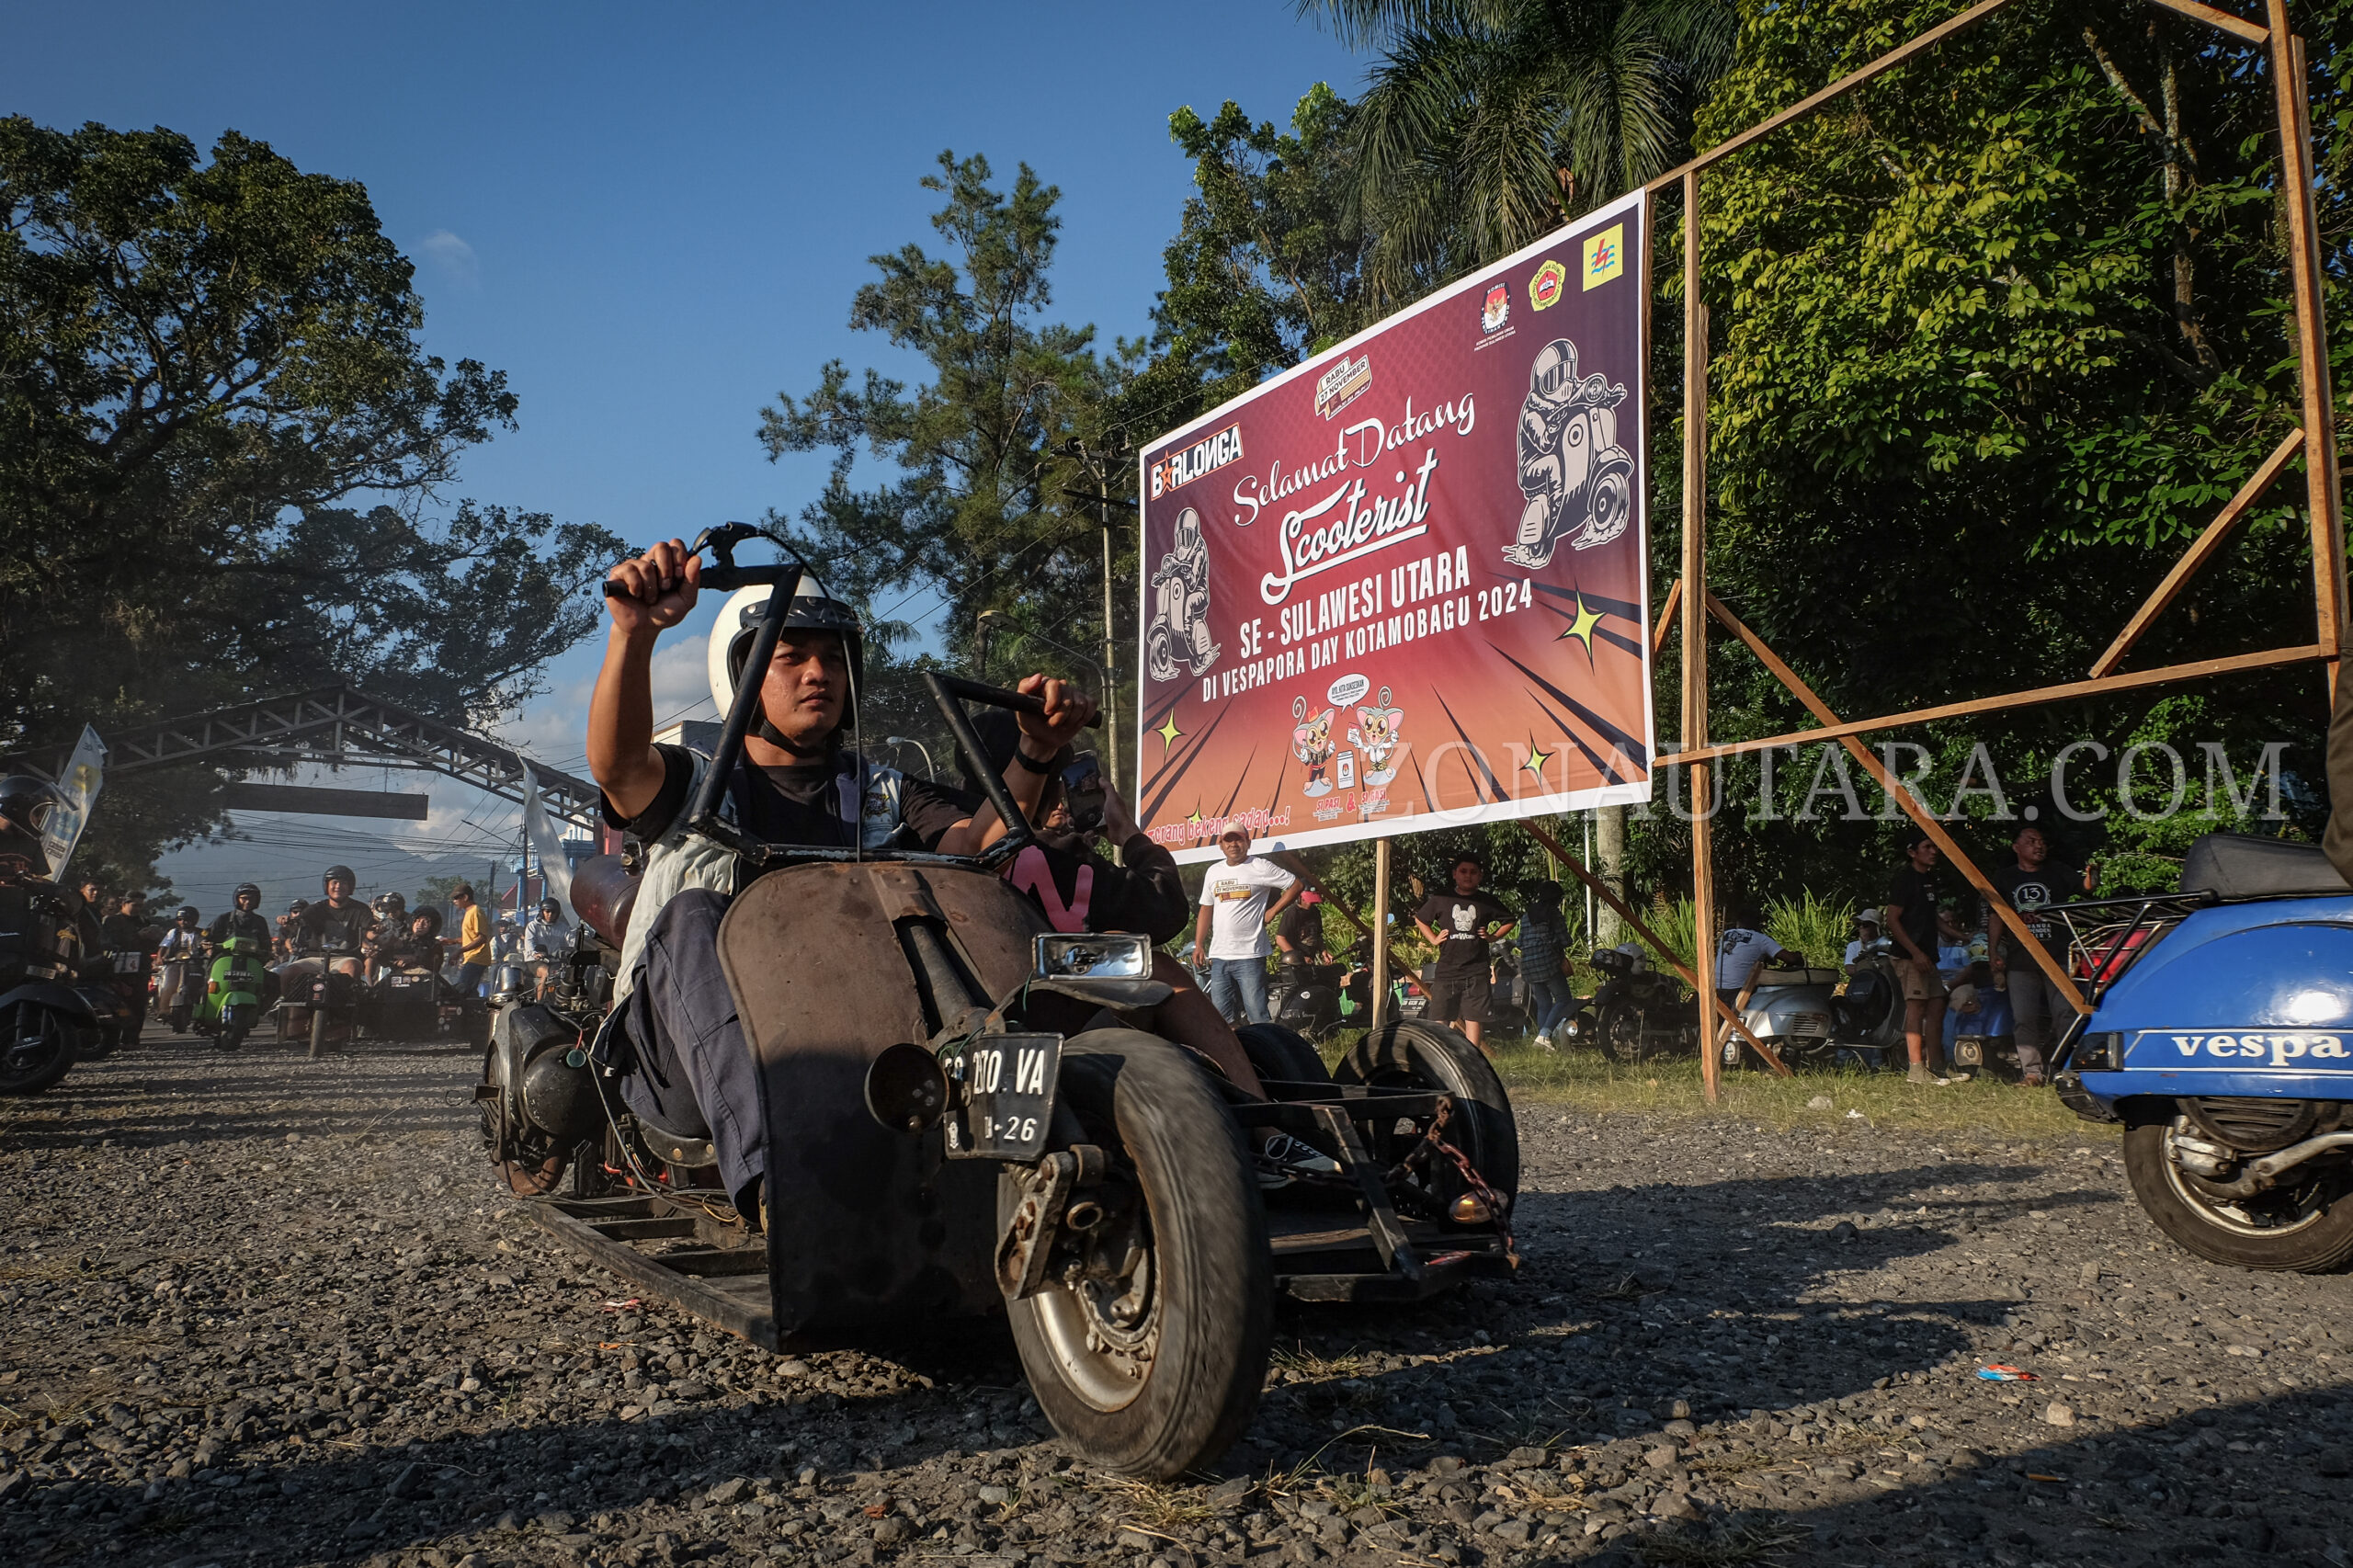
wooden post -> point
(1379, 932)
(1944, 841)
(1709, 1001)
(2290, 91)
(1695, 627)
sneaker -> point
(2033, 1080)
(1283, 1157)
(1919, 1075)
(1543, 1041)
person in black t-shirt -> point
(1914, 921)
(246, 920)
(2030, 883)
(1460, 924)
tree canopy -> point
(222, 435)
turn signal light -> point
(1470, 1210)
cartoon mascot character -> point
(1312, 743)
(1375, 733)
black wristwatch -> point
(1023, 757)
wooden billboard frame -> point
(2315, 436)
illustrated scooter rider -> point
(673, 1034)
(1181, 588)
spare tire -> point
(1282, 1054)
(1410, 1055)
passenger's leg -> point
(1190, 1018)
(690, 1043)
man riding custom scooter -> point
(674, 1035)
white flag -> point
(77, 792)
(546, 843)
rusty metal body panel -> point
(866, 1226)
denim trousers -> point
(1238, 989)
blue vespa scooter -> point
(2222, 1038)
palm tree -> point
(1488, 122)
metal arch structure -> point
(331, 725)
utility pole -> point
(1110, 666)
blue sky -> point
(653, 219)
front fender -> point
(51, 994)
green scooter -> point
(233, 1000)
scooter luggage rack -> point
(2101, 932)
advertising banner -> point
(1403, 586)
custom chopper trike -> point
(2221, 1038)
(969, 1113)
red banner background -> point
(1405, 585)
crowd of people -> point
(150, 961)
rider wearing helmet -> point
(329, 931)
(544, 939)
(23, 802)
(797, 783)
(415, 947)
(246, 920)
(177, 956)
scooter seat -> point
(2240, 865)
(678, 1148)
(1767, 977)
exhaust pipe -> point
(2263, 1174)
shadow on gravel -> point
(2239, 1482)
(337, 1504)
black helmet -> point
(388, 905)
(24, 797)
(243, 889)
(333, 873)
(432, 917)
(548, 906)
(186, 916)
(299, 906)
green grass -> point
(1588, 1081)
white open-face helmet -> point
(731, 636)
(1553, 375)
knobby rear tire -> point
(1281, 1052)
(2319, 1244)
(1212, 1269)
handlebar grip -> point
(1000, 697)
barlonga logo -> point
(1205, 456)
(2164, 1049)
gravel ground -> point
(258, 1310)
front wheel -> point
(1146, 1345)
(36, 1051)
(2301, 1226)
(318, 1033)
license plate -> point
(1009, 1082)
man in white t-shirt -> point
(1233, 926)
(1740, 951)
